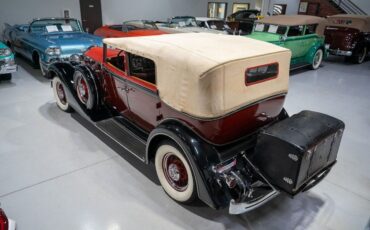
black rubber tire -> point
(359, 54)
(189, 195)
(88, 87)
(315, 65)
(62, 105)
(35, 60)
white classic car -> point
(185, 24)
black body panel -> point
(292, 152)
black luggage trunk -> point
(293, 152)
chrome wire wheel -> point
(174, 173)
(317, 59)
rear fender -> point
(319, 44)
(199, 154)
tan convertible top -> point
(292, 20)
(203, 74)
(295, 20)
(360, 22)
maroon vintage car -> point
(207, 113)
(349, 35)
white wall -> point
(363, 4)
(117, 11)
(23, 11)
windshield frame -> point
(269, 24)
(171, 23)
(144, 22)
(79, 27)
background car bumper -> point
(4, 69)
(340, 52)
(12, 225)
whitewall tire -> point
(317, 59)
(174, 173)
(60, 95)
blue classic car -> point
(7, 64)
(47, 40)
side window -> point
(116, 27)
(142, 68)
(118, 61)
(311, 29)
(295, 31)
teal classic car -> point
(48, 40)
(7, 64)
(302, 34)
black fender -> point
(65, 71)
(200, 154)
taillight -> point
(261, 73)
(4, 223)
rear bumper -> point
(6, 68)
(339, 52)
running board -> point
(123, 136)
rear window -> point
(261, 73)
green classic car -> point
(7, 64)
(302, 34)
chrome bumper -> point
(6, 68)
(340, 52)
(239, 208)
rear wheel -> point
(317, 59)
(360, 55)
(60, 95)
(174, 173)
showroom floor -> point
(55, 174)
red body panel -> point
(138, 101)
(107, 32)
(341, 38)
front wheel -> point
(174, 173)
(317, 59)
(60, 95)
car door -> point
(115, 83)
(295, 41)
(142, 94)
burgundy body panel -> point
(138, 101)
(341, 38)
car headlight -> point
(52, 51)
(75, 58)
(5, 52)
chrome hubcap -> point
(175, 172)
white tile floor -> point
(55, 174)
